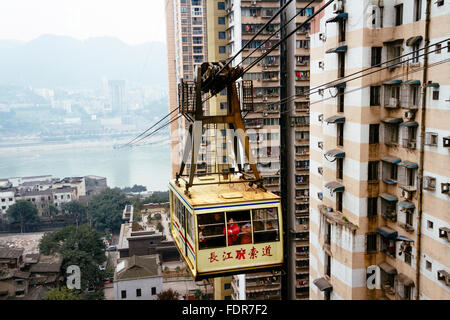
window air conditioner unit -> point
(322, 36)
(446, 142)
(411, 145)
(320, 144)
(253, 3)
(320, 118)
(429, 183)
(407, 195)
(307, 35)
(321, 64)
(321, 92)
(409, 115)
(445, 187)
(338, 6)
(320, 170)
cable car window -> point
(179, 212)
(190, 224)
(211, 228)
(265, 225)
(239, 228)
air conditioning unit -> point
(320, 170)
(409, 115)
(265, 99)
(321, 92)
(320, 144)
(407, 195)
(446, 142)
(320, 117)
(307, 35)
(445, 187)
(321, 64)
(253, 3)
(411, 145)
(265, 114)
(338, 6)
(322, 36)
(429, 183)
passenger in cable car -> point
(233, 232)
(246, 236)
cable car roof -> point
(214, 195)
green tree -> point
(52, 210)
(62, 294)
(105, 209)
(77, 210)
(168, 295)
(22, 212)
(81, 246)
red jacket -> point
(233, 231)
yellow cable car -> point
(224, 229)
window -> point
(388, 246)
(221, 20)
(339, 202)
(340, 168)
(394, 53)
(328, 233)
(196, 2)
(124, 294)
(222, 35)
(341, 63)
(372, 204)
(417, 9)
(376, 56)
(408, 255)
(438, 48)
(222, 49)
(391, 134)
(327, 264)
(340, 99)
(375, 96)
(223, 106)
(138, 292)
(221, 5)
(435, 94)
(153, 291)
(399, 15)
(227, 297)
(340, 134)
(430, 224)
(373, 170)
(342, 29)
(265, 225)
(374, 133)
(211, 230)
(415, 54)
(371, 243)
(196, 30)
(227, 286)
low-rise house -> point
(95, 184)
(47, 271)
(14, 283)
(138, 278)
(11, 258)
(40, 198)
(63, 195)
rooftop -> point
(214, 193)
(137, 267)
(10, 253)
(47, 264)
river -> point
(148, 165)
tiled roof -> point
(137, 267)
(9, 253)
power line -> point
(253, 38)
(289, 99)
(140, 135)
(157, 129)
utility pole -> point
(287, 149)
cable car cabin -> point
(225, 229)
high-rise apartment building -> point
(230, 24)
(186, 49)
(380, 151)
(117, 94)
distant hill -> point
(52, 61)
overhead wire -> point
(293, 97)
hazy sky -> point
(132, 21)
